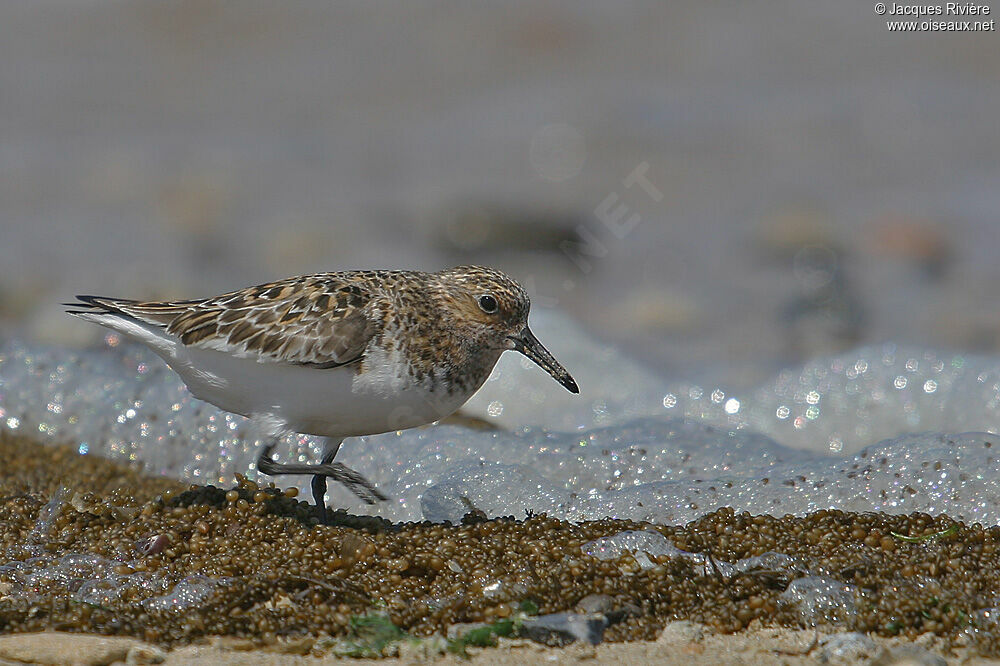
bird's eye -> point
(488, 304)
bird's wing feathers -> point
(321, 320)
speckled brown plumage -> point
(329, 320)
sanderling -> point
(337, 354)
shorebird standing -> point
(337, 354)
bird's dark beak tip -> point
(529, 345)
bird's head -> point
(490, 309)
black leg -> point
(330, 448)
(319, 496)
(356, 483)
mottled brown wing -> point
(322, 321)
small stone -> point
(145, 654)
(561, 629)
(422, 649)
(56, 647)
(299, 646)
(152, 545)
(849, 648)
(595, 603)
(682, 631)
(460, 629)
(910, 655)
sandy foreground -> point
(682, 643)
(924, 579)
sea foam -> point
(884, 428)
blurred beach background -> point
(719, 189)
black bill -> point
(528, 344)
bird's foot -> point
(354, 482)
